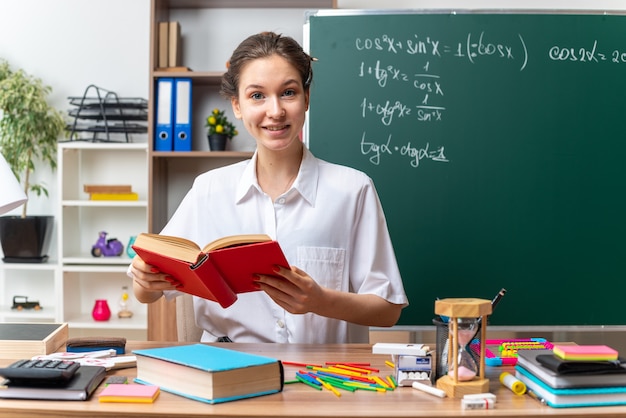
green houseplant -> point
(29, 132)
(220, 130)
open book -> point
(219, 271)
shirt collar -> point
(305, 183)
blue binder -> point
(164, 129)
(182, 118)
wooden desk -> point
(298, 400)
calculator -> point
(40, 370)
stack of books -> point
(574, 376)
(110, 192)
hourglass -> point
(466, 315)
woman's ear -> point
(236, 109)
(307, 97)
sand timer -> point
(466, 315)
(463, 364)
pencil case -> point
(82, 344)
(561, 366)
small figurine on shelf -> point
(129, 248)
(107, 247)
(124, 312)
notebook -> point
(79, 388)
(573, 397)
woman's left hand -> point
(293, 289)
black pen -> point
(497, 299)
(494, 302)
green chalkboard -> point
(497, 144)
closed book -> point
(572, 397)
(84, 382)
(129, 393)
(164, 45)
(174, 45)
(26, 340)
(209, 374)
(107, 188)
(215, 272)
(114, 196)
(528, 360)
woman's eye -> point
(256, 96)
(289, 93)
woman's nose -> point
(275, 109)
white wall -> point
(70, 44)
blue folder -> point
(164, 128)
(182, 112)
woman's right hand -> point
(148, 282)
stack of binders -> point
(173, 115)
(574, 376)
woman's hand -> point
(296, 292)
(292, 289)
(148, 282)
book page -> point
(233, 240)
(175, 247)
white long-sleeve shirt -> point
(330, 223)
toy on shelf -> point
(110, 247)
(22, 302)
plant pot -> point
(25, 240)
(217, 142)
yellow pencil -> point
(351, 368)
(381, 382)
(390, 364)
(328, 386)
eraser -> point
(480, 396)
(477, 403)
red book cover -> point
(218, 275)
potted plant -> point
(220, 129)
(29, 131)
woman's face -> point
(272, 102)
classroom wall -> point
(71, 44)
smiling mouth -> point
(276, 128)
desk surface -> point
(298, 400)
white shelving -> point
(85, 278)
(35, 281)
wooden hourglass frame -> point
(455, 308)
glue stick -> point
(517, 386)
